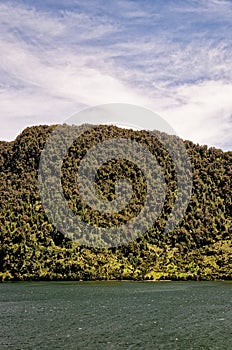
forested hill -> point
(200, 247)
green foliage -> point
(32, 249)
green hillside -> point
(200, 247)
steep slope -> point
(31, 248)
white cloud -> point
(46, 91)
(206, 109)
(17, 18)
(52, 65)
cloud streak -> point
(165, 57)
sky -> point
(173, 57)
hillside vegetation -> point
(31, 248)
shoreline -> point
(110, 281)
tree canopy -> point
(31, 248)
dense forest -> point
(31, 248)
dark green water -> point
(116, 315)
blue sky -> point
(173, 57)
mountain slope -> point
(31, 248)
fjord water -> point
(115, 315)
